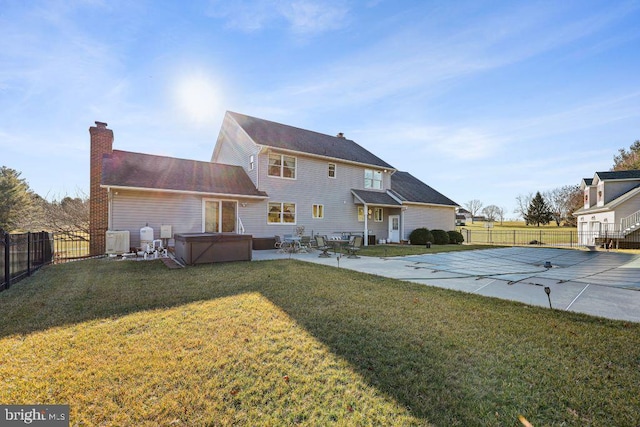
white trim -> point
(200, 193)
(295, 222)
(282, 167)
(335, 170)
(321, 209)
(236, 227)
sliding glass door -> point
(219, 216)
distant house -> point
(611, 210)
(462, 216)
(263, 179)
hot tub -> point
(206, 248)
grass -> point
(404, 250)
(293, 343)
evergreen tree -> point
(538, 211)
(15, 199)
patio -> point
(603, 284)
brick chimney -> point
(101, 145)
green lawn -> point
(293, 343)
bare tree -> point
(491, 213)
(68, 215)
(522, 205)
(474, 207)
(502, 212)
(563, 201)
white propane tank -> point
(146, 236)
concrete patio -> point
(605, 284)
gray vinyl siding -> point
(431, 217)
(313, 186)
(627, 208)
(234, 147)
(132, 210)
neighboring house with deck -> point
(611, 210)
(264, 179)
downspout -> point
(366, 226)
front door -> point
(394, 228)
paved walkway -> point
(605, 284)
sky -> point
(481, 100)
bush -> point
(455, 237)
(440, 237)
(420, 236)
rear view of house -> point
(263, 179)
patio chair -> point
(355, 247)
(278, 244)
(305, 243)
(322, 246)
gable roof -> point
(613, 175)
(411, 189)
(146, 171)
(633, 192)
(375, 198)
(277, 135)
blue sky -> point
(480, 100)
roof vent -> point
(340, 135)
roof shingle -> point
(127, 169)
(276, 135)
(411, 189)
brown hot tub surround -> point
(206, 248)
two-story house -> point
(264, 179)
(611, 210)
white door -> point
(394, 228)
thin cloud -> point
(302, 16)
(397, 65)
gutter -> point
(164, 190)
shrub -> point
(455, 237)
(420, 236)
(440, 237)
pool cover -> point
(527, 264)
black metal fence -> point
(552, 238)
(22, 254)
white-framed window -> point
(252, 162)
(373, 179)
(317, 211)
(360, 213)
(281, 213)
(332, 170)
(378, 214)
(282, 166)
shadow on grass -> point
(439, 353)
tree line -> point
(558, 204)
(21, 209)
